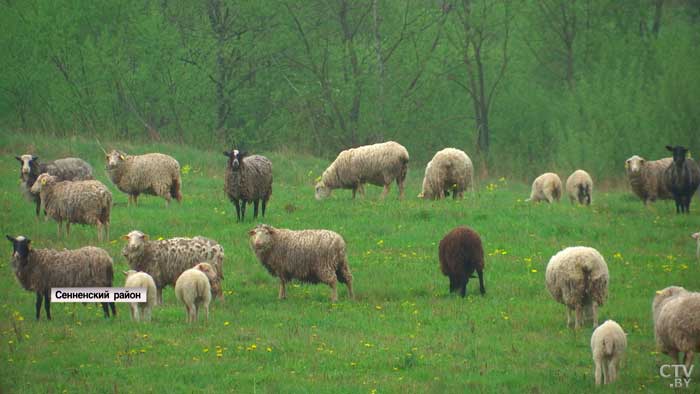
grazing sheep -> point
(546, 187)
(67, 169)
(141, 310)
(450, 169)
(646, 178)
(378, 164)
(153, 173)
(696, 236)
(82, 202)
(676, 313)
(682, 178)
(608, 344)
(579, 187)
(309, 256)
(166, 259)
(578, 278)
(193, 289)
(39, 270)
(248, 179)
(461, 253)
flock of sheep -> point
(577, 277)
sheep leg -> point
(99, 231)
(387, 188)
(195, 308)
(334, 290)
(106, 230)
(134, 311)
(243, 204)
(264, 204)
(354, 191)
(594, 313)
(58, 232)
(482, 289)
(38, 208)
(159, 296)
(688, 357)
(67, 229)
(189, 313)
(105, 309)
(568, 317)
(453, 284)
(361, 189)
(206, 312)
(47, 303)
(606, 371)
(39, 298)
(463, 287)
(238, 210)
(283, 291)
(598, 373)
(255, 208)
(113, 306)
(579, 317)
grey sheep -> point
(248, 179)
(193, 289)
(66, 169)
(82, 202)
(682, 178)
(311, 256)
(166, 259)
(141, 311)
(155, 174)
(646, 178)
(579, 187)
(578, 278)
(608, 344)
(546, 187)
(676, 314)
(39, 270)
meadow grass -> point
(402, 333)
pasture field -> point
(402, 333)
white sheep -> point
(579, 187)
(647, 178)
(676, 314)
(608, 344)
(578, 278)
(194, 290)
(378, 164)
(450, 169)
(141, 310)
(546, 187)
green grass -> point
(402, 333)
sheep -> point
(378, 164)
(546, 187)
(248, 179)
(166, 259)
(579, 187)
(67, 169)
(461, 253)
(646, 178)
(141, 310)
(682, 178)
(82, 202)
(608, 344)
(676, 314)
(696, 236)
(39, 270)
(450, 169)
(193, 289)
(308, 255)
(578, 278)
(153, 173)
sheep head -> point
(41, 181)
(634, 164)
(235, 158)
(261, 237)
(322, 191)
(21, 246)
(114, 158)
(214, 280)
(136, 240)
(26, 164)
(679, 154)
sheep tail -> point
(608, 346)
(404, 169)
(175, 189)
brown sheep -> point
(461, 253)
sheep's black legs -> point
(39, 298)
(113, 306)
(243, 204)
(238, 210)
(47, 304)
(264, 203)
(255, 208)
(463, 287)
(482, 289)
(105, 309)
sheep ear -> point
(658, 292)
(251, 232)
(124, 237)
(627, 164)
(19, 159)
(10, 238)
(126, 273)
(35, 158)
(145, 237)
(227, 154)
(669, 147)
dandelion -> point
(368, 344)
(527, 260)
(205, 350)
(378, 307)
(533, 270)
(269, 349)
(380, 242)
(617, 255)
(186, 169)
(226, 324)
(353, 364)
(160, 238)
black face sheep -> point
(141, 311)
(193, 289)
(248, 179)
(578, 278)
(82, 202)
(310, 256)
(461, 253)
(608, 344)
(676, 314)
(155, 174)
(546, 187)
(39, 270)
(67, 169)
(646, 178)
(579, 187)
(682, 178)
(450, 169)
(378, 164)
(165, 260)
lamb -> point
(194, 290)
(646, 178)
(378, 164)
(248, 178)
(141, 310)
(578, 278)
(39, 270)
(461, 253)
(682, 178)
(696, 236)
(608, 344)
(82, 202)
(67, 169)
(676, 313)
(166, 259)
(308, 255)
(579, 187)
(450, 169)
(546, 187)
(153, 173)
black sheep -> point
(682, 178)
(461, 253)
